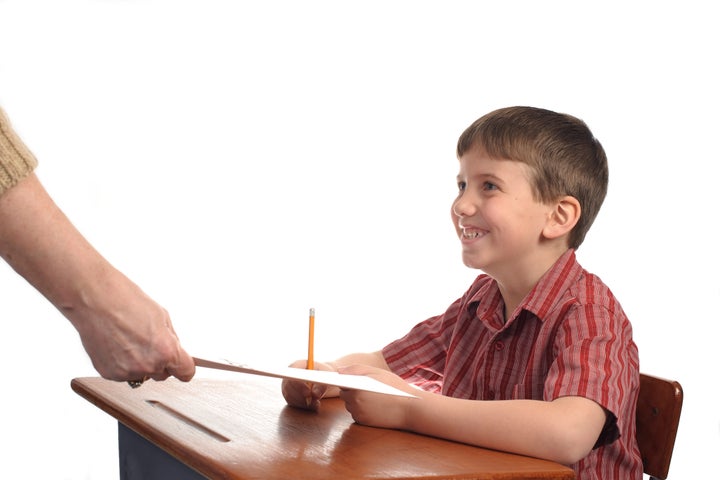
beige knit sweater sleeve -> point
(16, 161)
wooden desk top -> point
(244, 430)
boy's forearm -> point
(373, 359)
(563, 431)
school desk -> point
(242, 429)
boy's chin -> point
(472, 262)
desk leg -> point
(143, 460)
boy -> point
(537, 357)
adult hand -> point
(127, 335)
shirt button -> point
(499, 346)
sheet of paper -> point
(351, 382)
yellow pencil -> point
(311, 341)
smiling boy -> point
(537, 356)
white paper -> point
(351, 382)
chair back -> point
(658, 415)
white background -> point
(244, 161)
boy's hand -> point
(375, 409)
(303, 394)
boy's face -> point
(496, 217)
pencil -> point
(311, 341)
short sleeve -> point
(419, 357)
(597, 359)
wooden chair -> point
(658, 415)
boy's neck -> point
(515, 285)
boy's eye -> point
(489, 186)
(461, 186)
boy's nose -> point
(462, 207)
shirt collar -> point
(545, 294)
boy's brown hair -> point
(563, 155)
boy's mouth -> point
(471, 233)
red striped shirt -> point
(569, 336)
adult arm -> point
(126, 334)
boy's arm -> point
(300, 394)
(564, 430)
(372, 359)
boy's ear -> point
(563, 217)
